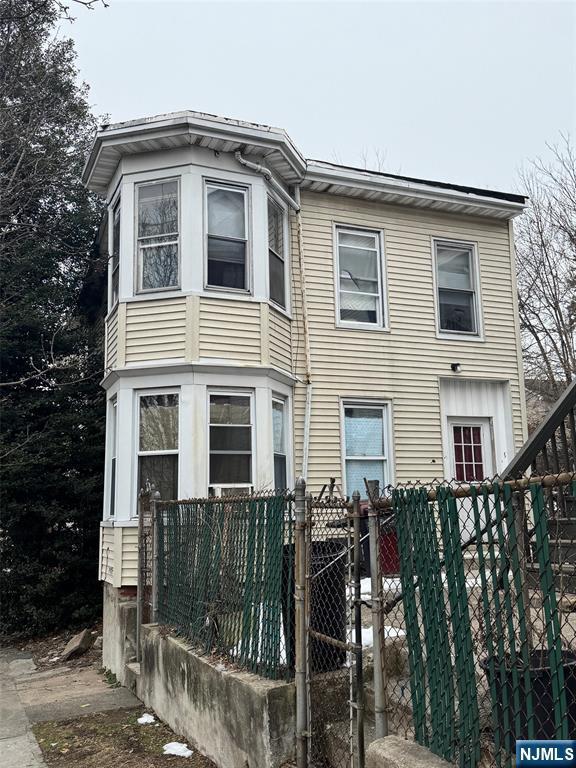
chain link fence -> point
(477, 606)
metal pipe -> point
(301, 633)
(267, 173)
(307, 420)
(358, 630)
(379, 640)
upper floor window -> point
(360, 296)
(227, 240)
(456, 283)
(115, 268)
(276, 257)
(157, 211)
(158, 444)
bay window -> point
(227, 236)
(360, 295)
(158, 444)
(113, 451)
(276, 256)
(158, 235)
(115, 267)
(279, 443)
(365, 445)
(456, 287)
(230, 436)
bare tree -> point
(546, 263)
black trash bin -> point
(542, 698)
(327, 603)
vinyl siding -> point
(106, 564)
(112, 339)
(230, 330)
(155, 330)
(280, 340)
(129, 556)
(119, 549)
(404, 364)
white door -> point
(471, 459)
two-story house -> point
(271, 316)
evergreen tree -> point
(52, 407)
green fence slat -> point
(553, 635)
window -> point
(365, 450)
(227, 237)
(230, 441)
(158, 444)
(359, 291)
(455, 279)
(279, 441)
(157, 235)
(276, 261)
(114, 283)
(113, 451)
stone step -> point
(132, 676)
(564, 577)
(562, 528)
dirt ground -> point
(111, 739)
(47, 651)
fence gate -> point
(334, 633)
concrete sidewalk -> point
(30, 696)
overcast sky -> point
(456, 91)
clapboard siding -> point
(112, 339)
(155, 330)
(403, 364)
(119, 555)
(106, 564)
(129, 556)
(230, 330)
(280, 340)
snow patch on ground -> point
(178, 749)
(146, 719)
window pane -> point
(277, 288)
(229, 409)
(275, 227)
(161, 472)
(226, 212)
(226, 263)
(159, 423)
(230, 438)
(115, 287)
(456, 311)
(158, 209)
(113, 487)
(358, 308)
(280, 480)
(116, 232)
(278, 427)
(230, 468)
(159, 265)
(454, 268)
(358, 270)
(359, 239)
(364, 431)
(468, 453)
(358, 469)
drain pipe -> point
(267, 173)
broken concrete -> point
(78, 645)
(235, 718)
(395, 752)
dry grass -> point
(111, 740)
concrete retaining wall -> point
(118, 630)
(394, 752)
(237, 719)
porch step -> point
(132, 676)
(564, 577)
(562, 528)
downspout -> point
(294, 203)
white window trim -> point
(488, 444)
(111, 453)
(240, 393)
(387, 423)
(285, 258)
(285, 401)
(136, 453)
(146, 292)
(478, 335)
(382, 323)
(246, 190)
(116, 200)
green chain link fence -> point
(224, 578)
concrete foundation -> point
(119, 630)
(237, 719)
(394, 752)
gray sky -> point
(456, 91)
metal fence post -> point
(155, 548)
(379, 640)
(358, 630)
(301, 654)
(140, 580)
